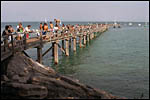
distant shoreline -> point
(82, 21)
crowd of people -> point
(58, 27)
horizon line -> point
(74, 21)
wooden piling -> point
(74, 44)
(63, 44)
(56, 52)
(67, 47)
(84, 40)
(70, 43)
(92, 35)
(53, 49)
(80, 41)
(87, 37)
(39, 54)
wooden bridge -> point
(84, 36)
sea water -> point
(117, 61)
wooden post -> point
(63, 44)
(74, 44)
(92, 35)
(25, 41)
(80, 41)
(70, 43)
(88, 37)
(84, 42)
(56, 52)
(67, 47)
(39, 54)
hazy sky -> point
(74, 10)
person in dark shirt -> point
(5, 33)
(41, 26)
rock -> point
(28, 91)
(27, 79)
(4, 78)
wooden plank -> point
(47, 51)
(61, 49)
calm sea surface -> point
(117, 61)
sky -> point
(16, 11)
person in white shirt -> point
(28, 30)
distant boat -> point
(139, 24)
(145, 24)
(130, 24)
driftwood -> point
(27, 79)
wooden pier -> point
(84, 36)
